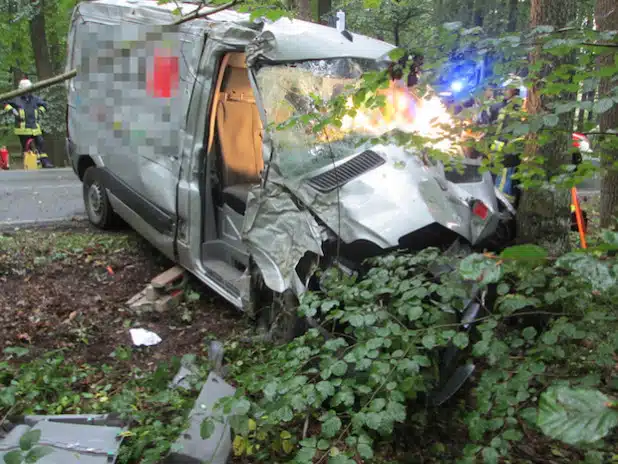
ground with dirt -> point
(67, 288)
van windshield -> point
(289, 90)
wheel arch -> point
(83, 163)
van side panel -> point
(127, 104)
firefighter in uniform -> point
(498, 115)
(27, 109)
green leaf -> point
(305, 455)
(365, 451)
(325, 388)
(588, 268)
(461, 340)
(37, 453)
(551, 120)
(13, 457)
(242, 407)
(511, 303)
(371, 3)
(207, 428)
(331, 426)
(373, 420)
(532, 253)
(480, 269)
(323, 444)
(576, 416)
(414, 312)
(29, 439)
(603, 105)
(339, 368)
(429, 341)
(18, 351)
(529, 333)
(490, 456)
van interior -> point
(233, 166)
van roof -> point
(288, 39)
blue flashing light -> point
(457, 86)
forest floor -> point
(64, 290)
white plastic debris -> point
(144, 337)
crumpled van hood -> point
(392, 200)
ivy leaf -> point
(331, 426)
(461, 340)
(207, 428)
(576, 416)
(480, 269)
(29, 439)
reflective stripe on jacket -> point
(28, 108)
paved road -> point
(42, 196)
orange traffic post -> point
(579, 218)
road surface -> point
(39, 197)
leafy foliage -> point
(343, 397)
(49, 385)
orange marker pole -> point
(579, 218)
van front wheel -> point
(98, 208)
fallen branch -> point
(40, 85)
(198, 14)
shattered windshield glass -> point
(289, 90)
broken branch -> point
(40, 85)
(196, 14)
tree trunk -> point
(396, 34)
(44, 68)
(40, 48)
(324, 8)
(606, 17)
(512, 24)
(544, 214)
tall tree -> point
(606, 18)
(544, 213)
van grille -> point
(344, 173)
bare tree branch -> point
(40, 85)
(198, 14)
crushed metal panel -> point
(294, 40)
(70, 442)
(190, 447)
(279, 233)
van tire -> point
(98, 208)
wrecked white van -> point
(168, 128)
